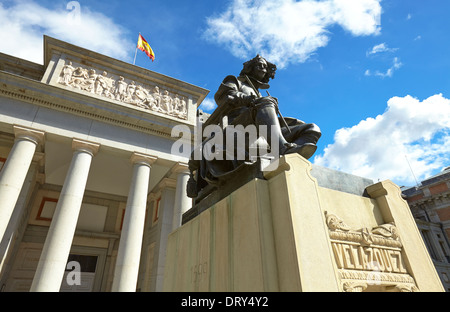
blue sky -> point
(373, 74)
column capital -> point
(86, 146)
(30, 134)
(180, 167)
(164, 183)
(143, 158)
(153, 196)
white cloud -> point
(380, 148)
(289, 31)
(23, 24)
(208, 105)
(380, 48)
(396, 64)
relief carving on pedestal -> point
(384, 235)
(369, 256)
(122, 90)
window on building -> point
(428, 242)
(444, 250)
(88, 264)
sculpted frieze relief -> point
(382, 235)
(123, 90)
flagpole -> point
(135, 53)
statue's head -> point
(259, 66)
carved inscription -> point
(357, 257)
(124, 90)
(199, 272)
(368, 257)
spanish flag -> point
(145, 47)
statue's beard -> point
(257, 83)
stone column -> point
(182, 201)
(15, 170)
(14, 228)
(129, 254)
(166, 188)
(52, 263)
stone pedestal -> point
(287, 233)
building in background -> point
(430, 206)
(89, 185)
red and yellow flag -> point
(145, 47)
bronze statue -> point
(240, 102)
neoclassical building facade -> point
(89, 185)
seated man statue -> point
(240, 102)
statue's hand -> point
(250, 100)
(267, 100)
(274, 99)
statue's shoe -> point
(306, 150)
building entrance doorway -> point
(84, 270)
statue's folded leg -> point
(265, 115)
